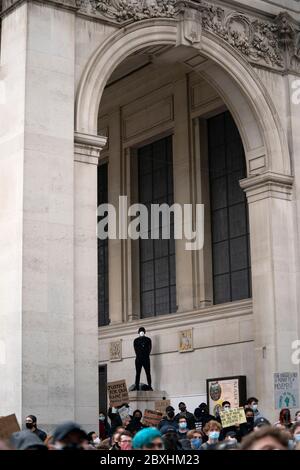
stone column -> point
(182, 192)
(87, 153)
(273, 239)
(115, 247)
(37, 213)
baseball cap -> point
(65, 428)
(259, 422)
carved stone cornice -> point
(88, 148)
(268, 185)
(269, 43)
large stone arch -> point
(234, 78)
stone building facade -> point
(88, 88)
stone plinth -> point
(145, 400)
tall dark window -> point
(103, 388)
(103, 309)
(157, 257)
(229, 211)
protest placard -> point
(117, 392)
(152, 418)
(8, 425)
(232, 417)
(161, 406)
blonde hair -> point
(212, 424)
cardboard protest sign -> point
(117, 392)
(152, 418)
(232, 417)
(161, 406)
(8, 425)
(124, 412)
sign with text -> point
(232, 389)
(233, 417)
(8, 425)
(161, 406)
(117, 392)
(152, 418)
(286, 390)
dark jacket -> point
(24, 440)
(41, 434)
(142, 346)
(115, 420)
(134, 426)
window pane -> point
(229, 219)
(157, 257)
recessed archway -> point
(235, 80)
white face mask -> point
(142, 333)
(97, 441)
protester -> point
(195, 438)
(93, 439)
(182, 428)
(202, 416)
(266, 438)
(190, 419)
(285, 421)
(260, 423)
(27, 440)
(104, 427)
(248, 427)
(297, 416)
(115, 440)
(115, 419)
(212, 429)
(168, 421)
(148, 439)
(69, 436)
(252, 402)
(295, 430)
(171, 441)
(125, 441)
(31, 425)
(135, 424)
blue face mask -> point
(182, 425)
(297, 437)
(196, 443)
(214, 435)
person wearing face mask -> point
(285, 421)
(297, 417)
(212, 429)
(295, 430)
(135, 424)
(31, 424)
(168, 421)
(93, 439)
(104, 427)
(183, 413)
(142, 347)
(252, 402)
(226, 406)
(248, 427)
(182, 428)
(195, 438)
(202, 416)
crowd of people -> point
(181, 431)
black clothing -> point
(190, 419)
(245, 429)
(115, 420)
(142, 346)
(166, 424)
(41, 434)
(134, 426)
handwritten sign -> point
(117, 392)
(8, 425)
(152, 418)
(286, 390)
(161, 405)
(232, 417)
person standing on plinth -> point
(142, 346)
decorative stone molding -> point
(7, 5)
(88, 148)
(269, 43)
(268, 185)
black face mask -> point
(30, 425)
(137, 419)
(171, 414)
(250, 420)
(182, 410)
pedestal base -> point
(145, 400)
